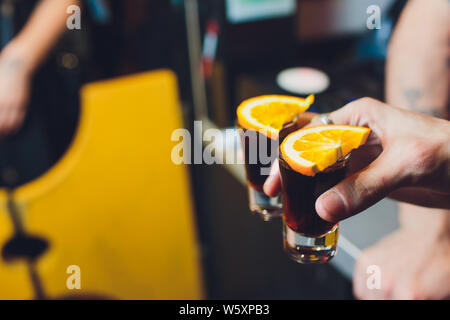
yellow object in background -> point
(14, 279)
(115, 205)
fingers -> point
(16, 121)
(371, 280)
(272, 186)
(305, 118)
(371, 184)
(14, 97)
(365, 187)
(367, 112)
(360, 190)
(10, 120)
(356, 113)
(4, 120)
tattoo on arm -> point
(11, 66)
(412, 96)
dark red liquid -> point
(300, 193)
(253, 170)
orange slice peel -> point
(269, 113)
(312, 150)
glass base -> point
(267, 208)
(310, 249)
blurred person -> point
(29, 85)
(415, 259)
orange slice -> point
(314, 149)
(269, 113)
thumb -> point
(272, 186)
(360, 190)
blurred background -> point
(87, 178)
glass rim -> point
(339, 164)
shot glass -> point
(306, 237)
(259, 153)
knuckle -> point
(363, 190)
(358, 104)
(411, 292)
(422, 157)
(418, 290)
(368, 100)
(368, 103)
(387, 287)
(362, 110)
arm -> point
(40, 34)
(23, 55)
(417, 75)
(417, 78)
(414, 260)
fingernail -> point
(330, 206)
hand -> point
(14, 93)
(413, 264)
(414, 164)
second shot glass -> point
(263, 122)
(259, 153)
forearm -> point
(417, 79)
(30, 47)
(417, 65)
(433, 222)
(430, 222)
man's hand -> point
(414, 261)
(415, 155)
(412, 266)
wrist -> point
(432, 222)
(18, 56)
